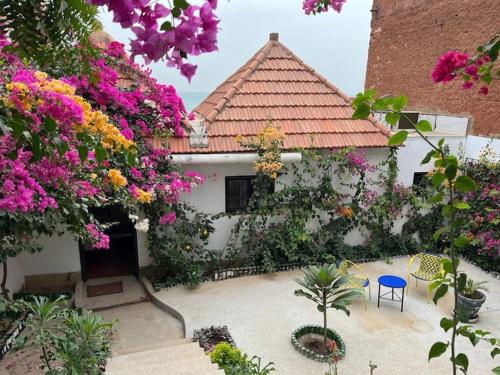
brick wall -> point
(408, 36)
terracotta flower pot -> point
(470, 305)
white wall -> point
(415, 149)
(475, 144)
(210, 197)
(15, 275)
(61, 255)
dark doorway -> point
(121, 257)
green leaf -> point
(461, 206)
(446, 210)
(392, 118)
(398, 138)
(464, 184)
(176, 12)
(36, 146)
(495, 352)
(440, 292)
(428, 157)
(440, 142)
(183, 4)
(100, 153)
(424, 126)
(362, 111)
(496, 370)
(131, 159)
(49, 124)
(461, 242)
(437, 349)
(436, 198)
(447, 265)
(451, 172)
(399, 102)
(461, 281)
(166, 26)
(437, 179)
(83, 152)
(462, 360)
(62, 147)
(446, 324)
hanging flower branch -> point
(478, 69)
(170, 33)
(268, 144)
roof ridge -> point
(330, 85)
(254, 62)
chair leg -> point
(370, 292)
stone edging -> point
(160, 304)
(318, 330)
(9, 339)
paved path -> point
(141, 324)
(261, 312)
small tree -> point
(328, 289)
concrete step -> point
(158, 345)
(180, 366)
(157, 356)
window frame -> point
(249, 179)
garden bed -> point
(308, 341)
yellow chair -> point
(357, 279)
(429, 265)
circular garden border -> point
(332, 335)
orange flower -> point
(346, 211)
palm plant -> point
(472, 286)
(326, 287)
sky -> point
(336, 45)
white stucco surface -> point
(61, 255)
(15, 275)
(475, 144)
(415, 148)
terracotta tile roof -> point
(276, 85)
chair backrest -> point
(429, 263)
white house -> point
(274, 85)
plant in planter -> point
(470, 300)
(325, 286)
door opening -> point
(121, 258)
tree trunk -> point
(5, 291)
(325, 328)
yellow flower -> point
(239, 138)
(93, 176)
(116, 178)
(143, 196)
(41, 76)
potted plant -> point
(470, 300)
(325, 286)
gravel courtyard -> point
(261, 313)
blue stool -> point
(393, 282)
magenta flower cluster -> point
(99, 239)
(191, 30)
(357, 160)
(319, 6)
(453, 64)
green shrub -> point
(227, 356)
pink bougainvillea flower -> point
(168, 218)
(447, 66)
